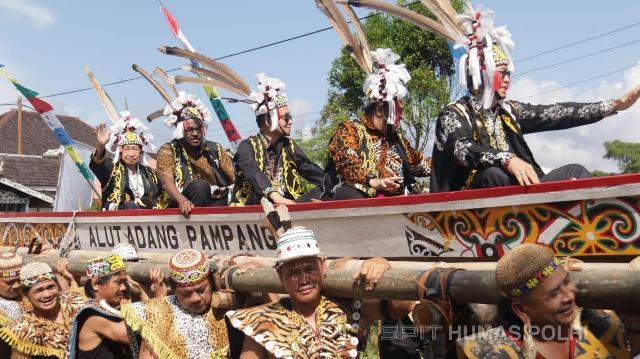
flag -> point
(46, 112)
(218, 107)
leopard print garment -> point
(172, 332)
(11, 310)
(285, 334)
(36, 336)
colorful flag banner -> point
(46, 112)
(227, 125)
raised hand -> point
(627, 100)
(158, 286)
(102, 135)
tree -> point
(626, 153)
(429, 62)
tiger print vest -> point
(286, 334)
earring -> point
(528, 345)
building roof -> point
(36, 135)
(26, 190)
(32, 171)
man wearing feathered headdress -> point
(127, 181)
(479, 139)
(194, 172)
(370, 157)
(271, 164)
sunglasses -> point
(287, 117)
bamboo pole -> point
(613, 286)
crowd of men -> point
(45, 314)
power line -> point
(578, 42)
(578, 83)
(577, 58)
(217, 58)
(317, 32)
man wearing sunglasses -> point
(270, 164)
(194, 172)
(479, 140)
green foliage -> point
(429, 62)
(598, 173)
(626, 153)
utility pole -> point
(19, 110)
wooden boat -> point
(596, 217)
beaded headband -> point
(537, 279)
(105, 265)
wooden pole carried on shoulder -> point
(599, 285)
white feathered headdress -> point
(185, 106)
(268, 97)
(388, 80)
(126, 130)
(129, 131)
(487, 46)
(180, 107)
(385, 81)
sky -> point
(45, 44)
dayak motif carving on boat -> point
(576, 228)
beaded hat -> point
(189, 267)
(524, 268)
(10, 264)
(35, 273)
(297, 242)
(105, 265)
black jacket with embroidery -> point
(253, 180)
(114, 180)
(463, 145)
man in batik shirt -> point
(193, 172)
(370, 157)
